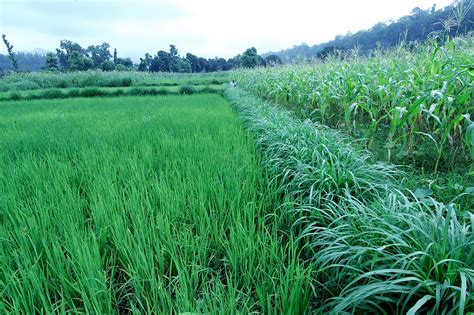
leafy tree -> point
(183, 65)
(108, 66)
(194, 62)
(142, 66)
(11, 55)
(126, 62)
(78, 62)
(99, 54)
(273, 60)
(249, 58)
(51, 62)
(115, 56)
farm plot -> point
(139, 204)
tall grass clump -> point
(146, 205)
(374, 247)
(410, 103)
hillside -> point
(455, 19)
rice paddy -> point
(139, 204)
(133, 193)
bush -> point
(92, 92)
(136, 91)
(207, 89)
(126, 82)
(187, 90)
(162, 92)
(14, 96)
(51, 94)
(117, 92)
(74, 93)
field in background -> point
(58, 80)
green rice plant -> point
(140, 205)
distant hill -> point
(27, 61)
(457, 17)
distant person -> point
(233, 83)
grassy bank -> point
(143, 205)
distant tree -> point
(194, 62)
(99, 54)
(11, 55)
(121, 67)
(78, 62)
(51, 62)
(183, 66)
(115, 56)
(126, 62)
(26, 61)
(203, 64)
(273, 60)
(108, 66)
(161, 62)
(234, 62)
(72, 57)
(142, 66)
(249, 58)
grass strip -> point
(374, 247)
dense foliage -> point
(455, 19)
(415, 102)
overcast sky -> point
(206, 28)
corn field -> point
(414, 101)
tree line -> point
(71, 56)
(453, 20)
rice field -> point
(134, 193)
(142, 205)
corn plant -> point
(412, 96)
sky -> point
(206, 28)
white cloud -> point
(206, 27)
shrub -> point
(162, 92)
(91, 92)
(117, 92)
(15, 96)
(51, 94)
(73, 93)
(187, 90)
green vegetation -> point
(143, 193)
(141, 204)
(411, 104)
(374, 248)
(420, 25)
(45, 80)
(109, 92)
